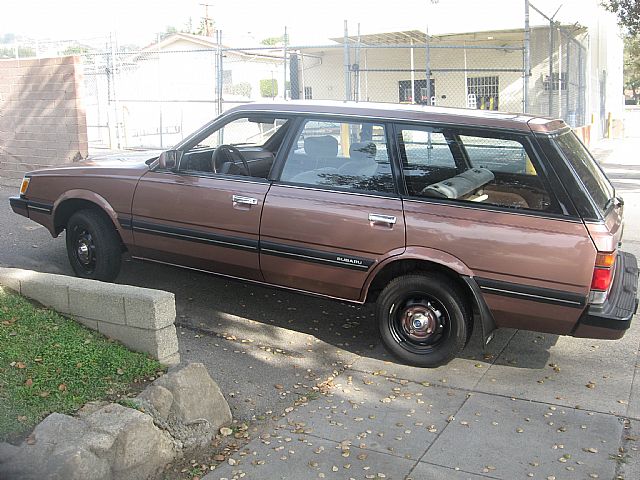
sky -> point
(249, 21)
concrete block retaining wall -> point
(140, 318)
(42, 114)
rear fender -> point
(454, 265)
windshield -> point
(243, 131)
(588, 170)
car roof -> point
(447, 115)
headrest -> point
(362, 150)
(322, 146)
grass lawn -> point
(49, 363)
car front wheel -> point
(93, 246)
(423, 319)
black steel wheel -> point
(93, 246)
(423, 319)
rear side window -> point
(586, 168)
(481, 169)
(498, 155)
(341, 155)
(427, 157)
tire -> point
(93, 246)
(423, 319)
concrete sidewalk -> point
(530, 406)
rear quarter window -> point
(586, 168)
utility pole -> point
(208, 21)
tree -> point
(272, 41)
(169, 30)
(632, 65)
(23, 52)
(75, 50)
(268, 88)
(242, 88)
(628, 13)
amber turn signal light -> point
(605, 259)
(24, 185)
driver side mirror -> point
(170, 160)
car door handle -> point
(244, 200)
(376, 218)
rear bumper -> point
(611, 319)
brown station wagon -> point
(448, 219)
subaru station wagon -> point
(447, 219)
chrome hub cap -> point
(85, 249)
(420, 321)
(83, 252)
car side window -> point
(489, 169)
(341, 155)
(244, 146)
(427, 157)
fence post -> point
(347, 64)
(220, 72)
(284, 61)
(551, 82)
(527, 58)
(428, 66)
(114, 90)
(567, 100)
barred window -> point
(485, 91)
(555, 83)
(308, 93)
(420, 90)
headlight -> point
(24, 185)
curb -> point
(140, 318)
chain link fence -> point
(557, 84)
(154, 97)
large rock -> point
(139, 450)
(77, 463)
(159, 398)
(196, 396)
(112, 442)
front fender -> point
(89, 196)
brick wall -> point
(42, 116)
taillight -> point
(602, 277)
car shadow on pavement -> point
(224, 307)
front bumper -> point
(611, 319)
(23, 207)
(20, 206)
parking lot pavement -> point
(528, 406)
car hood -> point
(125, 163)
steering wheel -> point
(224, 154)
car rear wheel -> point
(423, 319)
(93, 246)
